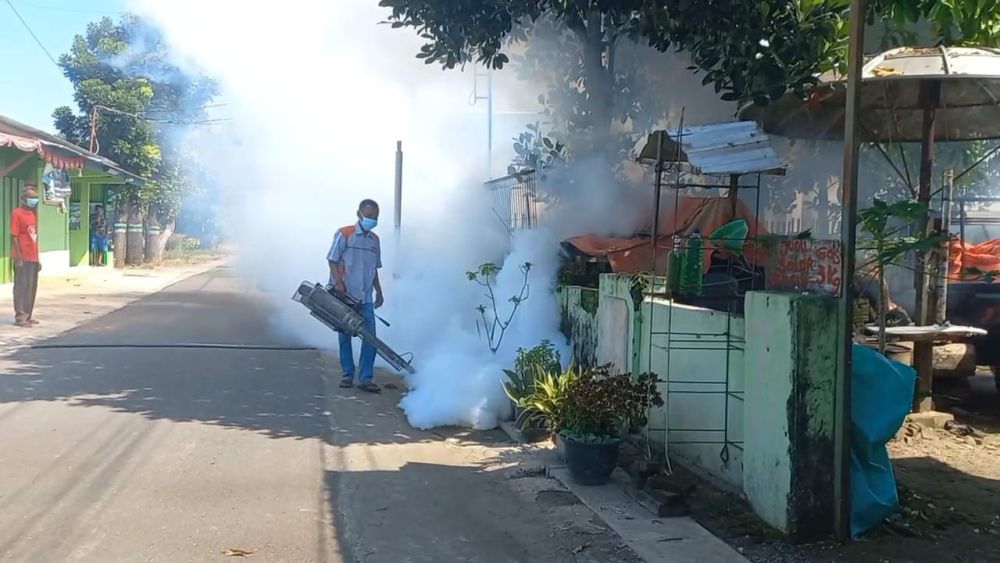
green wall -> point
(53, 233)
(791, 365)
(79, 239)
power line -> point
(171, 110)
(70, 10)
(32, 33)
(165, 121)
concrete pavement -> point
(119, 442)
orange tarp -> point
(984, 257)
(634, 254)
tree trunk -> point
(598, 82)
(120, 235)
(157, 235)
(135, 251)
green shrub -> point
(528, 366)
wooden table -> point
(927, 333)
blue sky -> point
(32, 85)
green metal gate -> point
(10, 188)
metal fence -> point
(794, 225)
(515, 200)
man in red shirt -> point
(24, 252)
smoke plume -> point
(319, 93)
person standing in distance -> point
(24, 252)
(355, 258)
(99, 235)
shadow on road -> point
(280, 394)
(429, 512)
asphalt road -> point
(165, 454)
(120, 443)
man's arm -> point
(378, 292)
(337, 275)
(378, 285)
(335, 258)
(15, 250)
(15, 247)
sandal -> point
(346, 383)
(370, 387)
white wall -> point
(54, 262)
(693, 362)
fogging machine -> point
(340, 314)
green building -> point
(77, 180)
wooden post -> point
(848, 234)
(734, 196)
(923, 352)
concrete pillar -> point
(790, 366)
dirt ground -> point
(949, 487)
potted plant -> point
(590, 410)
(538, 412)
(520, 387)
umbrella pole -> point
(923, 352)
(944, 259)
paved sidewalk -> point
(66, 301)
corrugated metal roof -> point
(734, 147)
(94, 161)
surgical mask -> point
(31, 201)
(368, 223)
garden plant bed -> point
(926, 530)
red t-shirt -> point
(24, 226)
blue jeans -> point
(98, 244)
(366, 368)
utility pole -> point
(488, 98)
(848, 235)
(397, 215)
(397, 220)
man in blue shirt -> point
(354, 259)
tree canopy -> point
(747, 50)
(143, 104)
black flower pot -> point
(533, 435)
(591, 463)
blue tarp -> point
(881, 398)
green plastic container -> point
(675, 260)
(731, 236)
(691, 268)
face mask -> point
(368, 224)
(31, 201)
